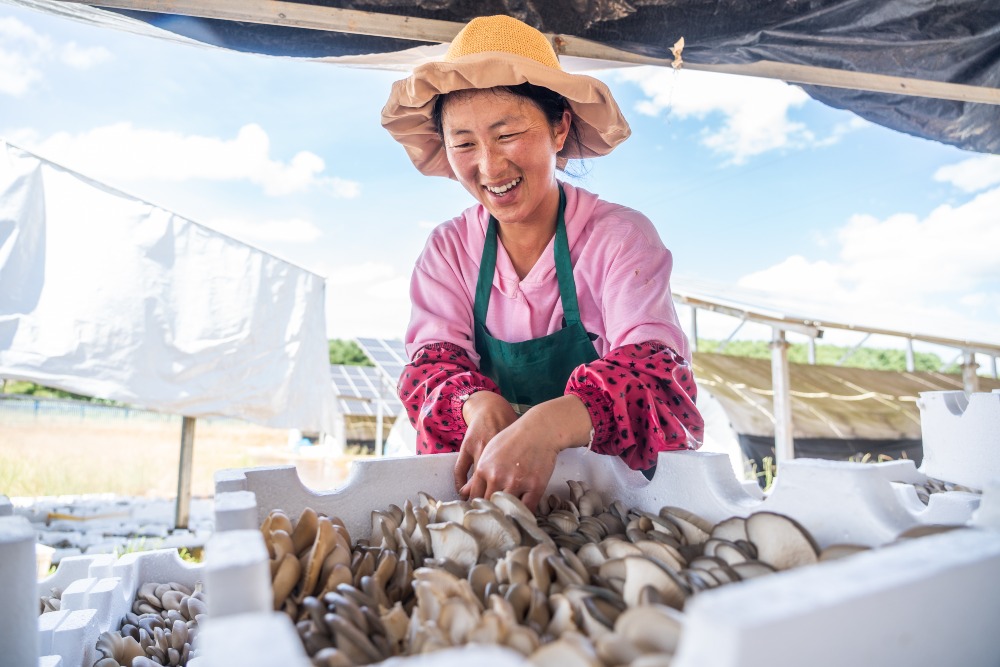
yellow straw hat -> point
(493, 51)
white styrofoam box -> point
(6, 507)
(930, 601)
(51, 661)
(988, 514)
(18, 601)
(236, 562)
(236, 510)
(71, 635)
(961, 436)
(98, 595)
(259, 640)
(76, 567)
(97, 592)
(815, 611)
(839, 502)
(251, 640)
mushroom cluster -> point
(51, 602)
(926, 489)
(160, 629)
(580, 583)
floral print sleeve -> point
(433, 388)
(641, 400)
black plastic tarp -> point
(955, 41)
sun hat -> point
(495, 51)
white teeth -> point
(499, 190)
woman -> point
(540, 296)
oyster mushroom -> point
(734, 528)
(835, 551)
(494, 532)
(455, 543)
(651, 629)
(641, 572)
(570, 650)
(780, 541)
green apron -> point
(535, 370)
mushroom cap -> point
(450, 540)
(732, 529)
(780, 541)
(641, 572)
(512, 506)
(653, 628)
(835, 551)
(570, 650)
(492, 530)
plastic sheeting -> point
(105, 295)
(955, 41)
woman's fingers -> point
(462, 467)
(476, 487)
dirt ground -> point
(141, 459)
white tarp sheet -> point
(106, 295)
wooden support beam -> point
(314, 17)
(182, 511)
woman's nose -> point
(491, 162)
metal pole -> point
(910, 365)
(812, 351)
(183, 509)
(784, 446)
(379, 421)
(993, 362)
(694, 328)
(970, 379)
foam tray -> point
(97, 591)
(878, 607)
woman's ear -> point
(560, 131)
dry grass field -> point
(139, 457)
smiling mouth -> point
(502, 190)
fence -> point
(20, 409)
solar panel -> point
(389, 355)
(358, 388)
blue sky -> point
(750, 183)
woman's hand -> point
(520, 459)
(486, 414)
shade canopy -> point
(944, 42)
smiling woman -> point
(542, 316)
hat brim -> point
(408, 113)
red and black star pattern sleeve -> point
(641, 400)
(433, 388)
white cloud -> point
(82, 57)
(24, 52)
(17, 73)
(121, 153)
(932, 275)
(755, 112)
(293, 230)
(368, 299)
(973, 174)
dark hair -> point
(551, 103)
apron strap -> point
(564, 266)
(487, 266)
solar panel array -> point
(389, 355)
(358, 389)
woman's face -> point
(503, 150)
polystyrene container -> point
(878, 607)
